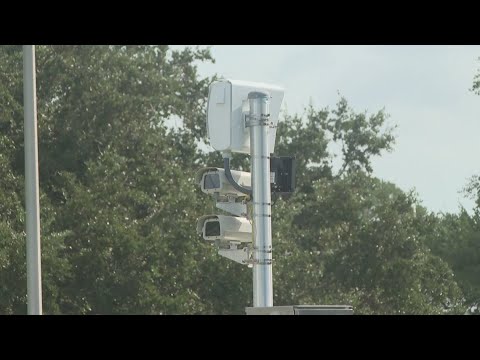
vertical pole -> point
(262, 220)
(32, 205)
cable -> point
(228, 174)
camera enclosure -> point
(225, 228)
(227, 106)
(213, 180)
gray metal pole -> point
(32, 205)
(262, 220)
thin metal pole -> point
(32, 204)
(262, 220)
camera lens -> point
(212, 228)
(212, 181)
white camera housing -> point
(225, 228)
(226, 109)
(213, 180)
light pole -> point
(32, 205)
(262, 214)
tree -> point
(476, 83)
(112, 177)
(456, 239)
(352, 238)
(357, 240)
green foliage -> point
(476, 83)
(357, 240)
(116, 191)
(456, 239)
(360, 137)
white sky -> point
(425, 89)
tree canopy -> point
(476, 83)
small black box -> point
(282, 170)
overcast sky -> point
(425, 89)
